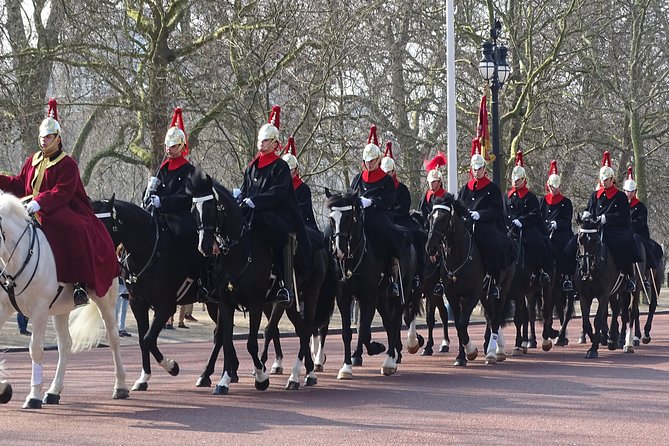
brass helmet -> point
(606, 171)
(50, 125)
(518, 171)
(553, 176)
(176, 134)
(477, 160)
(270, 130)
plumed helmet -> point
(290, 153)
(434, 175)
(432, 167)
(388, 161)
(606, 171)
(176, 134)
(50, 125)
(477, 161)
(270, 130)
(629, 185)
(518, 171)
(371, 151)
(553, 176)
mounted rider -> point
(557, 212)
(639, 219)
(524, 222)
(82, 248)
(377, 197)
(611, 208)
(401, 215)
(302, 189)
(435, 185)
(484, 200)
(268, 201)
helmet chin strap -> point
(51, 148)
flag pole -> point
(452, 168)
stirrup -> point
(544, 278)
(283, 297)
(80, 295)
(416, 283)
(567, 285)
(646, 285)
(630, 286)
(438, 289)
(393, 289)
(493, 292)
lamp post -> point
(494, 69)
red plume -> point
(53, 109)
(476, 146)
(389, 150)
(290, 147)
(630, 173)
(178, 121)
(372, 136)
(519, 159)
(553, 169)
(606, 159)
(275, 116)
(438, 160)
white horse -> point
(28, 276)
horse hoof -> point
(318, 367)
(175, 369)
(356, 361)
(276, 371)
(399, 358)
(472, 356)
(203, 381)
(51, 398)
(592, 354)
(581, 339)
(460, 363)
(517, 351)
(636, 342)
(310, 381)
(387, 371)
(532, 344)
(628, 349)
(427, 351)
(421, 341)
(32, 403)
(546, 345)
(220, 390)
(413, 350)
(501, 357)
(292, 385)
(375, 348)
(6, 396)
(344, 375)
(121, 394)
(444, 349)
(612, 345)
(140, 387)
(262, 385)
(645, 340)
(491, 359)
(234, 377)
(562, 342)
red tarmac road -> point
(555, 397)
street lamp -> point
(494, 69)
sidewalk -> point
(202, 330)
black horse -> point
(597, 277)
(362, 274)
(464, 275)
(244, 278)
(155, 272)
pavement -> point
(202, 330)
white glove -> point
(475, 215)
(586, 214)
(249, 203)
(153, 184)
(517, 223)
(33, 207)
(155, 201)
(554, 224)
(602, 219)
(236, 193)
(365, 202)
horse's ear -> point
(328, 194)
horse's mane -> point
(450, 200)
(340, 200)
(11, 207)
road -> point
(555, 397)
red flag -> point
(482, 134)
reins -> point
(361, 246)
(8, 281)
(452, 275)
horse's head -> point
(445, 211)
(345, 222)
(105, 211)
(589, 244)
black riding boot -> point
(567, 285)
(284, 296)
(80, 295)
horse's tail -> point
(86, 327)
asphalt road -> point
(555, 397)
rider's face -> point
(478, 173)
(173, 151)
(434, 185)
(518, 183)
(46, 141)
(373, 164)
(607, 183)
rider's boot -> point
(284, 296)
(80, 295)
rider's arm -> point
(66, 175)
(16, 185)
(280, 184)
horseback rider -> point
(302, 189)
(401, 215)
(82, 248)
(524, 222)
(611, 208)
(639, 219)
(268, 201)
(377, 197)
(167, 194)
(557, 212)
(484, 200)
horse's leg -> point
(632, 322)
(462, 312)
(430, 320)
(6, 391)
(617, 303)
(162, 314)
(38, 318)
(367, 310)
(224, 331)
(319, 355)
(600, 328)
(652, 307)
(389, 309)
(531, 319)
(548, 333)
(271, 333)
(261, 378)
(204, 379)
(60, 323)
(344, 306)
(303, 331)
(443, 314)
(586, 304)
(107, 306)
(520, 346)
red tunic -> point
(82, 247)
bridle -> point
(587, 260)
(358, 250)
(8, 281)
(443, 236)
